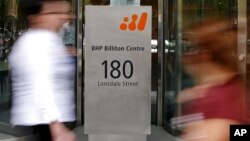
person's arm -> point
(216, 129)
(44, 67)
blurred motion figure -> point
(42, 74)
(217, 99)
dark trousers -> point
(43, 132)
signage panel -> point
(117, 70)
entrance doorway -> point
(178, 16)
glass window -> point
(190, 12)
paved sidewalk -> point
(5, 136)
(157, 134)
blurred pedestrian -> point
(68, 34)
(42, 74)
(217, 99)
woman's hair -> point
(217, 37)
(34, 9)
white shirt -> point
(43, 80)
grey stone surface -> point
(115, 104)
(117, 137)
(5, 136)
(157, 134)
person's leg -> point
(43, 132)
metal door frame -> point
(80, 62)
(242, 37)
(163, 26)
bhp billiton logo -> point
(134, 23)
